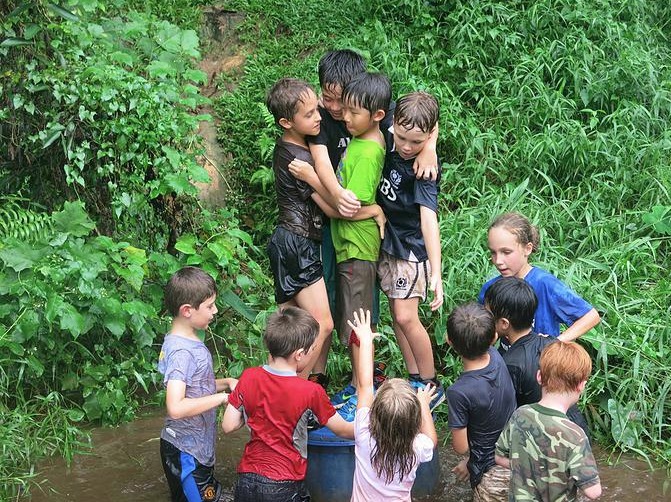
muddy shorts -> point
(252, 487)
(295, 262)
(403, 279)
(356, 284)
(493, 486)
(188, 479)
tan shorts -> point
(401, 278)
(494, 486)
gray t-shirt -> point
(191, 362)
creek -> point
(124, 466)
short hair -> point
(284, 97)
(471, 330)
(188, 286)
(563, 366)
(518, 225)
(288, 330)
(417, 109)
(371, 91)
(338, 67)
(514, 299)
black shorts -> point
(188, 479)
(295, 263)
(252, 487)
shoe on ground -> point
(340, 398)
(439, 396)
(348, 410)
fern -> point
(23, 223)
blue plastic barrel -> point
(331, 469)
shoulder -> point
(485, 287)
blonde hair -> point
(520, 227)
(395, 419)
(563, 366)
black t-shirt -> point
(298, 213)
(400, 196)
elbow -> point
(175, 413)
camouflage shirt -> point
(550, 456)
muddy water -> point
(124, 466)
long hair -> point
(395, 419)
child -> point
(393, 431)
(276, 405)
(511, 239)
(513, 303)
(409, 261)
(192, 392)
(480, 401)
(294, 245)
(550, 456)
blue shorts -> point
(188, 479)
(252, 487)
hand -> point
(232, 383)
(426, 165)
(347, 203)
(301, 170)
(461, 470)
(436, 285)
(426, 394)
(361, 326)
(381, 221)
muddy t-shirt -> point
(190, 361)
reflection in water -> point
(125, 466)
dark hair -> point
(564, 366)
(471, 330)
(337, 68)
(188, 286)
(371, 91)
(514, 299)
(284, 97)
(520, 227)
(417, 109)
(290, 329)
(395, 419)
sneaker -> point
(319, 379)
(439, 396)
(348, 409)
(378, 374)
(341, 397)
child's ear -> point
(185, 310)
(581, 386)
(378, 115)
(538, 377)
(285, 123)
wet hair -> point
(285, 96)
(288, 330)
(395, 420)
(188, 286)
(370, 91)
(337, 68)
(514, 299)
(563, 366)
(417, 109)
(471, 330)
(520, 227)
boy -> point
(294, 245)
(192, 393)
(513, 303)
(276, 405)
(409, 261)
(480, 401)
(550, 456)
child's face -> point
(508, 256)
(203, 315)
(307, 119)
(357, 120)
(409, 142)
(332, 100)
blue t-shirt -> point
(557, 303)
(482, 401)
(400, 196)
(190, 362)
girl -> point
(511, 239)
(393, 431)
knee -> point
(406, 318)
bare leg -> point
(413, 338)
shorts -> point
(356, 284)
(403, 279)
(188, 479)
(295, 263)
(252, 487)
(493, 486)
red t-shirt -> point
(276, 407)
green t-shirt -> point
(550, 456)
(359, 170)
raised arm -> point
(179, 406)
(581, 326)
(364, 370)
(431, 234)
(425, 395)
